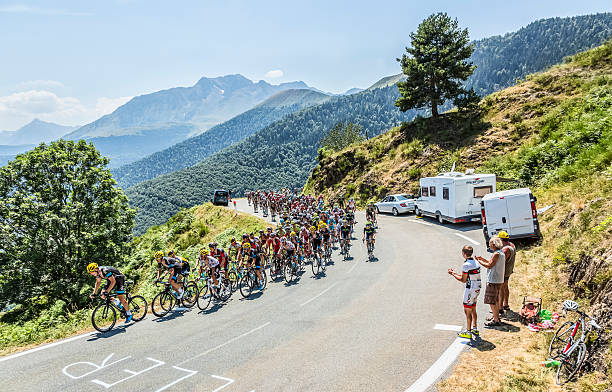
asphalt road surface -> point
(364, 326)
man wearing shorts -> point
(495, 279)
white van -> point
(453, 196)
(513, 211)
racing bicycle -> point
(165, 301)
(104, 316)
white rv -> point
(513, 211)
(454, 197)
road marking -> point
(191, 373)
(232, 340)
(352, 268)
(447, 327)
(320, 294)
(421, 222)
(467, 238)
(103, 365)
(438, 367)
(131, 373)
(229, 381)
(46, 346)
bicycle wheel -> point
(225, 290)
(560, 339)
(571, 364)
(315, 266)
(104, 317)
(246, 286)
(162, 304)
(204, 298)
(190, 295)
(138, 306)
(288, 271)
(323, 264)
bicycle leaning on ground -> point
(104, 316)
(566, 347)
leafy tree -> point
(342, 136)
(436, 64)
(59, 210)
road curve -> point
(363, 326)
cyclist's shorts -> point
(257, 262)
(326, 237)
(185, 270)
(470, 295)
(316, 243)
(119, 284)
(345, 234)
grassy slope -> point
(185, 232)
(553, 133)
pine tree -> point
(436, 64)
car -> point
(395, 204)
(220, 197)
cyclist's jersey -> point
(368, 231)
(472, 268)
(345, 231)
(208, 261)
(325, 232)
(233, 249)
(288, 246)
(174, 262)
(350, 216)
(107, 272)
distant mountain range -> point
(35, 132)
(191, 151)
(137, 128)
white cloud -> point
(274, 74)
(27, 9)
(19, 108)
(40, 85)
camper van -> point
(513, 211)
(453, 196)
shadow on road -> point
(177, 312)
(117, 330)
(510, 315)
(253, 296)
(215, 307)
(481, 345)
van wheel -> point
(440, 219)
(395, 213)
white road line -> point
(320, 294)
(467, 238)
(421, 222)
(447, 327)
(46, 346)
(226, 343)
(438, 367)
(352, 268)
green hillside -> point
(191, 151)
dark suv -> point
(220, 197)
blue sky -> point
(73, 61)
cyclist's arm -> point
(111, 283)
(98, 280)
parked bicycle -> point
(104, 316)
(566, 348)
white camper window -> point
(432, 191)
(445, 193)
(424, 191)
(480, 191)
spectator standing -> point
(495, 279)
(509, 250)
(470, 275)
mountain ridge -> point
(35, 132)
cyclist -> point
(220, 255)
(114, 279)
(369, 233)
(289, 248)
(370, 213)
(345, 233)
(210, 263)
(324, 230)
(317, 239)
(176, 267)
(253, 260)
(232, 249)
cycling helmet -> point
(245, 235)
(283, 239)
(203, 252)
(91, 267)
(212, 245)
(503, 235)
(292, 234)
(233, 239)
(171, 252)
(269, 229)
(159, 254)
(313, 229)
(246, 245)
(570, 305)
